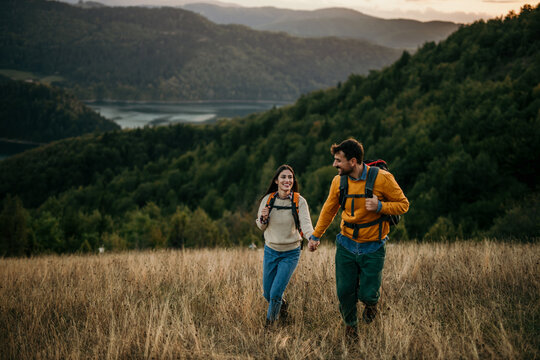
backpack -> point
(295, 209)
(374, 166)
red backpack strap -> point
(381, 164)
(296, 200)
(271, 199)
(270, 202)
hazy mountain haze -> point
(338, 22)
(461, 11)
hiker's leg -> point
(347, 284)
(371, 276)
(270, 263)
(285, 269)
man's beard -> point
(342, 171)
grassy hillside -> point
(343, 23)
(458, 122)
(136, 53)
(439, 301)
(42, 113)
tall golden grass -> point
(439, 301)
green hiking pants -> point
(358, 277)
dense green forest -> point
(42, 113)
(458, 122)
(138, 53)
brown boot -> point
(284, 311)
(369, 314)
(351, 333)
(270, 325)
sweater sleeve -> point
(329, 209)
(261, 207)
(394, 201)
(305, 218)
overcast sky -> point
(451, 10)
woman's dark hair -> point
(351, 148)
(274, 187)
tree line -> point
(42, 113)
(458, 123)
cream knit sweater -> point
(280, 233)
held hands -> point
(313, 244)
(372, 203)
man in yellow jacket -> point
(360, 246)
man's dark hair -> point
(351, 148)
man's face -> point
(343, 166)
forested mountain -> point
(136, 53)
(458, 122)
(42, 113)
(343, 23)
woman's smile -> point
(285, 181)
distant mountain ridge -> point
(89, 4)
(339, 22)
(136, 53)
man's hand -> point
(313, 245)
(372, 203)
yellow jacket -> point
(388, 192)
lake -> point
(134, 114)
(139, 114)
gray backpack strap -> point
(343, 190)
(370, 182)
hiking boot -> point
(284, 311)
(351, 333)
(269, 325)
(369, 314)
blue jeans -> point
(278, 267)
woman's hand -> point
(264, 214)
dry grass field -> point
(459, 300)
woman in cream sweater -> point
(282, 237)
